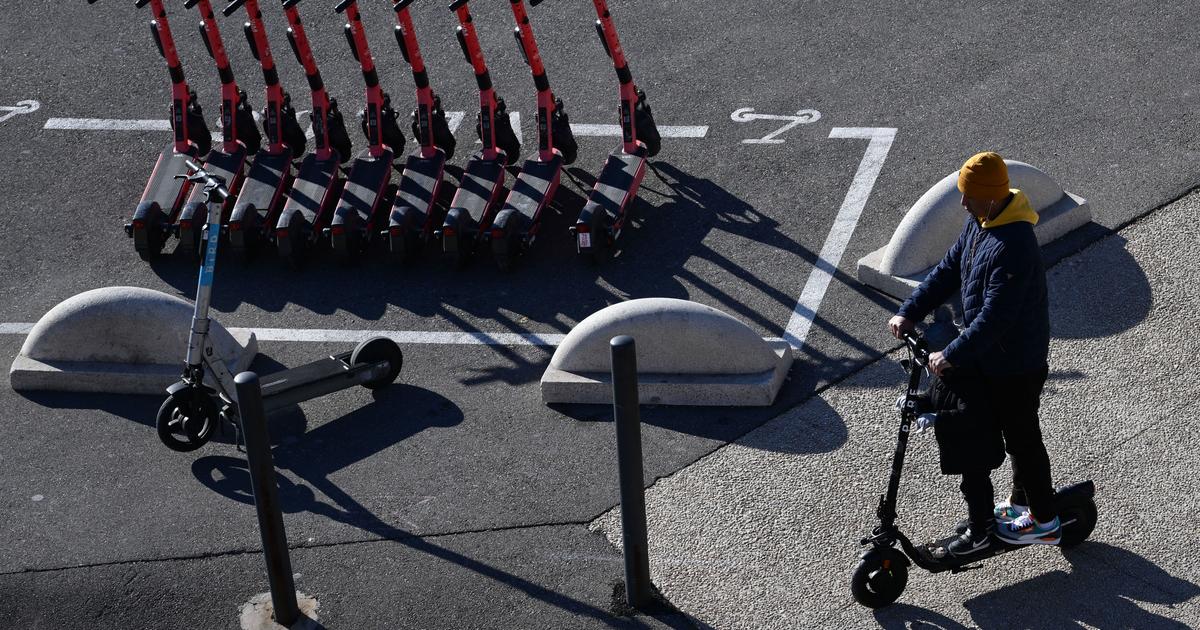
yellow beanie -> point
(984, 176)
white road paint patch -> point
(22, 107)
(454, 119)
(746, 114)
(666, 131)
(17, 328)
(843, 227)
(107, 124)
(37, 497)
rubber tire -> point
(246, 252)
(887, 584)
(155, 239)
(298, 235)
(379, 349)
(199, 403)
(1084, 513)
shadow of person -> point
(906, 617)
(1100, 293)
(1101, 591)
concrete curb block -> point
(688, 354)
(119, 340)
(933, 223)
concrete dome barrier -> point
(933, 223)
(687, 354)
(123, 340)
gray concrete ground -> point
(763, 533)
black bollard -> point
(629, 461)
(266, 498)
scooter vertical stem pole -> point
(629, 462)
(628, 90)
(374, 110)
(320, 97)
(180, 94)
(200, 321)
(487, 95)
(230, 96)
(545, 98)
(274, 91)
(266, 498)
(412, 53)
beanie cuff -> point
(982, 191)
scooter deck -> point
(534, 188)
(163, 187)
(420, 182)
(311, 380)
(935, 552)
(227, 166)
(619, 181)
(365, 185)
(265, 182)
(481, 184)
(312, 191)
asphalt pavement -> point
(456, 498)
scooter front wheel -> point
(186, 420)
(879, 578)
(375, 350)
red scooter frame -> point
(483, 180)
(240, 137)
(164, 195)
(519, 220)
(361, 204)
(319, 181)
(413, 217)
(252, 222)
(603, 216)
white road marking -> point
(454, 119)
(666, 131)
(15, 328)
(746, 114)
(843, 227)
(22, 107)
(108, 124)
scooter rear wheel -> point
(379, 349)
(1079, 518)
(186, 420)
(879, 579)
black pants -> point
(977, 490)
(1015, 399)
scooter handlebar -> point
(233, 5)
(402, 5)
(214, 186)
(454, 6)
(916, 343)
(534, 3)
(341, 6)
(287, 4)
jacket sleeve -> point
(939, 285)
(1007, 284)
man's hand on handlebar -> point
(938, 363)
(898, 325)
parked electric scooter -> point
(206, 395)
(603, 216)
(414, 217)
(882, 571)
(517, 224)
(154, 219)
(240, 137)
(252, 222)
(318, 182)
(478, 197)
(358, 213)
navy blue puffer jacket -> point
(998, 267)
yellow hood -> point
(1017, 210)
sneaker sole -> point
(1030, 539)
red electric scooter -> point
(240, 138)
(357, 215)
(413, 217)
(607, 208)
(478, 197)
(252, 221)
(318, 183)
(154, 219)
(516, 225)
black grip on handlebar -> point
(454, 6)
(403, 44)
(139, 4)
(341, 6)
(157, 39)
(462, 43)
(349, 31)
(187, 4)
(402, 5)
(534, 3)
(287, 4)
(603, 39)
(248, 29)
(233, 5)
(207, 44)
(521, 44)
(295, 47)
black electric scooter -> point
(414, 218)
(478, 197)
(358, 213)
(318, 182)
(517, 224)
(240, 137)
(206, 394)
(882, 570)
(603, 216)
(154, 219)
(252, 221)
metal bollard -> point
(266, 498)
(629, 461)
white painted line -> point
(666, 131)
(16, 328)
(843, 227)
(22, 107)
(108, 124)
(454, 119)
(406, 336)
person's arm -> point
(939, 285)
(1003, 298)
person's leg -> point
(1018, 406)
(978, 492)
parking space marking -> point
(18, 328)
(843, 227)
(746, 114)
(666, 131)
(22, 107)
(108, 124)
